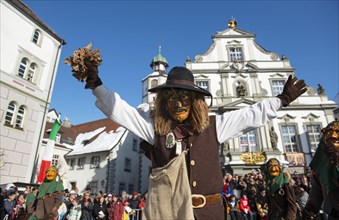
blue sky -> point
(129, 33)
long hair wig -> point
(198, 117)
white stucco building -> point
(98, 154)
(239, 72)
(30, 53)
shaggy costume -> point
(281, 198)
(185, 160)
(325, 181)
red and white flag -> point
(48, 154)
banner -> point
(48, 153)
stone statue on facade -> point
(241, 90)
(274, 138)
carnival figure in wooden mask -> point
(49, 196)
(183, 139)
(325, 181)
(280, 194)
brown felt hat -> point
(181, 78)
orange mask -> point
(274, 168)
(51, 173)
(331, 134)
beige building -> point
(30, 53)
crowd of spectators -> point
(246, 194)
(246, 197)
(16, 205)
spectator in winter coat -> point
(115, 208)
(10, 205)
(75, 212)
(100, 209)
(234, 211)
(245, 208)
(86, 207)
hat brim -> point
(185, 87)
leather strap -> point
(199, 201)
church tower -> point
(156, 77)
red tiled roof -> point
(71, 133)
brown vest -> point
(203, 165)
(202, 159)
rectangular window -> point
(135, 145)
(71, 163)
(57, 138)
(313, 134)
(93, 185)
(95, 162)
(289, 138)
(36, 36)
(277, 87)
(248, 142)
(128, 165)
(203, 84)
(55, 160)
(81, 163)
(236, 54)
(122, 187)
(130, 188)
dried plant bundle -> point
(79, 58)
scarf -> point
(183, 130)
(30, 198)
(327, 173)
(49, 187)
(275, 183)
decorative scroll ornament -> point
(253, 157)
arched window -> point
(20, 117)
(36, 36)
(9, 119)
(31, 72)
(22, 67)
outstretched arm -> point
(234, 123)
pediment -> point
(200, 76)
(277, 75)
(310, 116)
(250, 65)
(287, 117)
(234, 42)
(238, 103)
(234, 32)
(240, 75)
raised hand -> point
(292, 90)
